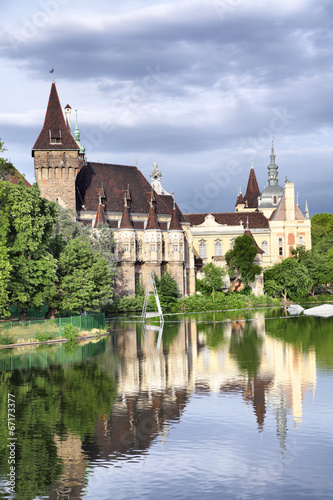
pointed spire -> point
(272, 169)
(252, 190)
(152, 222)
(77, 136)
(100, 216)
(174, 222)
(54, 134)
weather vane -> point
(52, 71)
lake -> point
(232, 405)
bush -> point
(70, 332)
(5, 339)
(43, 336)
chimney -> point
(68, 111)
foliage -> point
(287, 279)
(241, 258)
(50, 404)
(83, 282)
(5, 270)
(5, 339)
(213, 279)
(321, 228)
(44, 336)
(70, 332)
(167, 290)
(6, 167)
(26, 222)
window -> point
(126, 247)
(175, 248)
(301, 241)
(274, 200)
(218, 249)
(264, 246)
(153, 248)
(202, 250)
(232, 244)
(280, 246)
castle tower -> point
(176, 250)
(56, 156)
(152, 243)
(126, 243)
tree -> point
(213, 278)
(66, 228)
(287, 279)
(167, 290)
(83, 280)
(241, 258)
(26, 222)
(5, 269)
(6, 167)
(321, 228)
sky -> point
(200, 87)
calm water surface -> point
(235, 405)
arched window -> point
(264, 246)
(274, 200)
(202, 250)
(218, 249)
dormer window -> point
(55, 136)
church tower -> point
(56, 156)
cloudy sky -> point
(200, 86)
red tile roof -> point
(117, 179)
(257, 220)
(14, 178)
(126, 222)
(240, 200)
(174, 223)
(152, 222)
(54, 126)
(252, 190)
(100, 216)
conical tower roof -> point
(174, 223)
(54, 134)
(252, 190)
(126, 222)
(100, 216)
(240, 200)
(152, 222)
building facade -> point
(150, 230)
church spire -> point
(272, 169)
(77, 136)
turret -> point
(56, 156)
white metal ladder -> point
(151, 284)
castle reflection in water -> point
(157, 374)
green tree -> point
(6, 167)
(287, 279)
(83, 281)
(26, 222)
(241, 258)
(212, 280)
(321, 228)
(5, 269)
(168, 291)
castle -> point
(150, 230)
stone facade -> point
(55, 173)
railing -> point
(16, 332)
